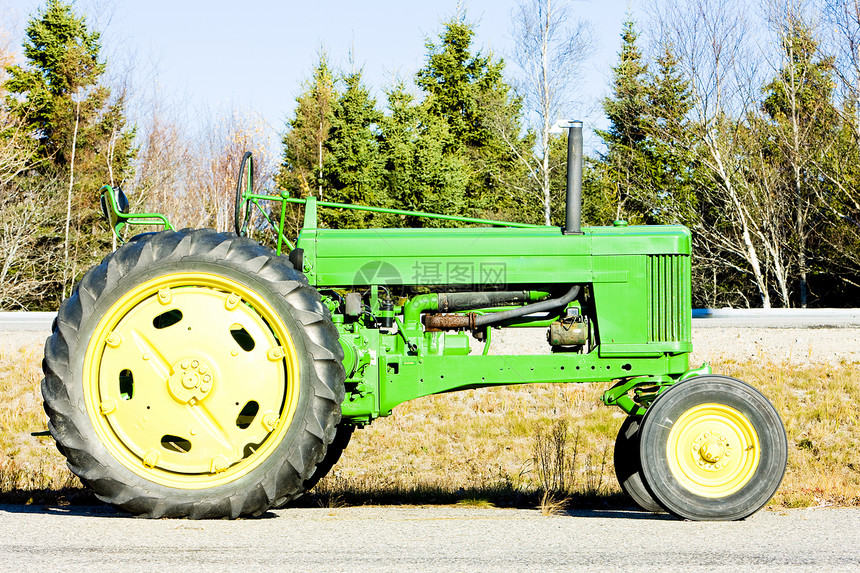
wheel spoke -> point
(151, 354)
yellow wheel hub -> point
(191, 380)
(713, 450)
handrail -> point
(423, 214)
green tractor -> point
(200, 374)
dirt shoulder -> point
(801, 346)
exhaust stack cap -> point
(560, 125)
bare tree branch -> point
(549, 53)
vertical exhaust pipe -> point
(573, 198)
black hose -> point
(454, 301)
(542, 306)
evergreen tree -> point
(399, 131)
(453, 80)
(305, 152)
(419, 175)
(671, 179)
(626, 160)
(82, 141)
(482, 115)
(649, 165)
(59, 97)
(353, 167)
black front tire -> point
(712, 448)
(628, 467)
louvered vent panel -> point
(669, 298)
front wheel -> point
(193, 374)
(628, 467)
(712, 448)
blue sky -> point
(219, 55)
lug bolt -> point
(113, 340)
(269, 421)
(219, 464)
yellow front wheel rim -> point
(191, 380)
(713, 450)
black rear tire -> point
(335, 450)
(112, 361)
(332, 455)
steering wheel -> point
(244, 189)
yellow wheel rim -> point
(191, 380)
(713, 450)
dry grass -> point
(475, 502)
(552, 503)
(503, 445)
(493, 446)
(31, 468)
(481, 444)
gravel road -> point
(428, 539)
